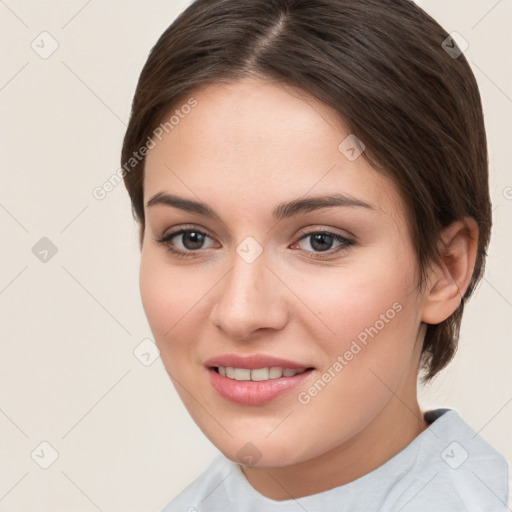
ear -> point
(448, 283)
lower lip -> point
(250, 392)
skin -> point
(244, 149)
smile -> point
(263, 386)
(257, 374)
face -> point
(246, 282)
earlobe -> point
(448, 283)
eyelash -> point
(166, 239)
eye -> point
(322, 242)
(189, 242)
(184, 242)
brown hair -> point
(382, 65)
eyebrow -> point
(280, 212)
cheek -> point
(375, 325)
(168, 295)
(156, 295)
(369, 318)
(350, 299)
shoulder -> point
(457, 470)
(191, 498)
(509, 500)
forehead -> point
(260, 142)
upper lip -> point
(253, 361)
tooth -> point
(242, 374)
(260, 374)
(275, 372)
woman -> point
(310, 179)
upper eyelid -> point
(181, 229)
(334, 231)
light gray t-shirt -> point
(448, 467)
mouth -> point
(255, 380)
(258, 374)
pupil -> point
(320, 240)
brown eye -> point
(322, 242)
(192, 240)
(184, 242)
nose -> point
(249, 299)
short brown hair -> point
(382, 65)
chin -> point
(262, 453)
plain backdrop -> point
(115, 434)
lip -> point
(249, 392)
(253, 361)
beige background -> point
(68, 373)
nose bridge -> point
(245, 285)
(248, 298)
